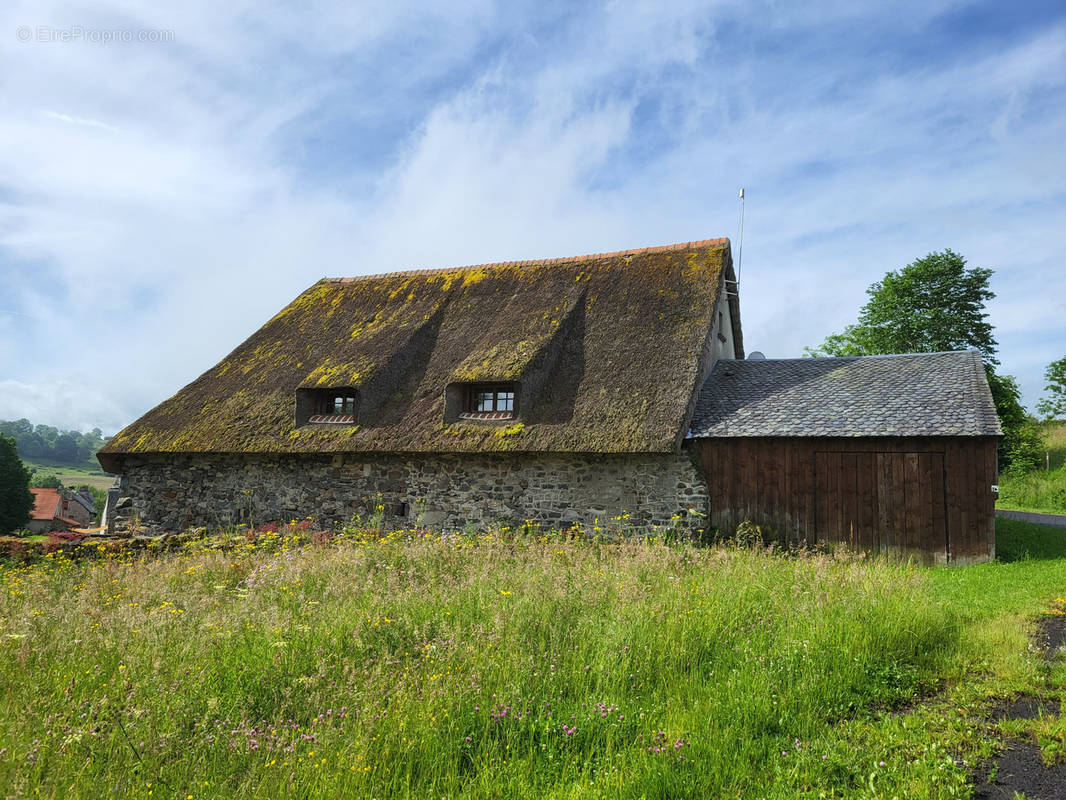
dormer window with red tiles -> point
(489, 402)
(336, 406)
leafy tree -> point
(931, 305)
(1054, 405)
(44, 441)
(1022, 448)
(16, 500)
(42, 481)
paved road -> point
(1054, 520)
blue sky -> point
(159, 200)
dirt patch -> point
(1051, 635)
(1019, 769)
(1026, 707)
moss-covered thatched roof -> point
(608, 350)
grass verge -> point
(413, 665)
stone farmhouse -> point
(567, 391)
(60, 509)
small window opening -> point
(337, 403)
(484, 401)
(331, 406)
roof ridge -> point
(540, 262)
(851, 358)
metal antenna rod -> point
(740, 238)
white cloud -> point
(91, 123)
(68, 403)
(158, 202)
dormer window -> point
(499, 399)
(481, 402)
(335, 406)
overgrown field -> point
(414, 665)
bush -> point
(49, 481)
(1024, 449)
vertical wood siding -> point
(930, 498)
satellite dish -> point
(756, 355)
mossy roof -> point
(621, 341)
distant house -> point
(60, 510)
(566, 391)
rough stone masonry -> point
(176, 492)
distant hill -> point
(45, 443)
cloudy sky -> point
(171, 177)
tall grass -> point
(475, 666)
(1039, 491)
(1055, 441)
(1043, 490)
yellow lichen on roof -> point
(617, 336)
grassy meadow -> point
(407, 664)
(88, 473)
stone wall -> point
(175, 492)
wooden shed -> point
(890, 454)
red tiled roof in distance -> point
(45, 504)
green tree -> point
(1022, 448)
(931, 305)
(44, 441)
(1054, 405)
(16, 499)
(42, 480)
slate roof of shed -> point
(925, 394)
(614, 345)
